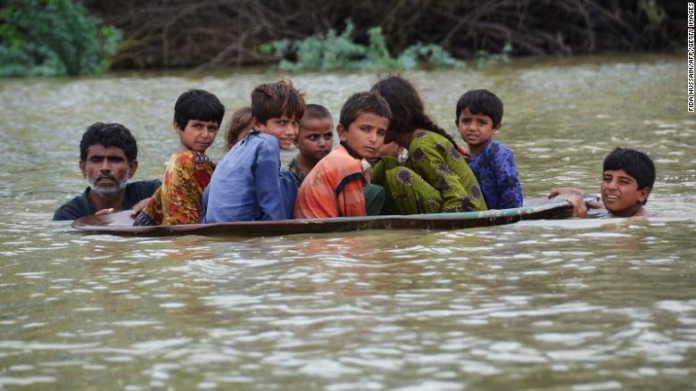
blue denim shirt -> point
(248, 184)
(496, 173)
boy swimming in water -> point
(627, 181)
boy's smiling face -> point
(476, 129)
(365, 135)
(284, 128)
(315, 138)
(621, 195)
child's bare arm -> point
(564, 191)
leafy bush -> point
(52, 38)
(484, 59)
(333, 51)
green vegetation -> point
(484, 59)
(53, 38)
(333, 52)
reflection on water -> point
(586, 305)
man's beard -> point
(107, 192)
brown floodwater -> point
(593, 304)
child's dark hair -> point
(406, 107)
(634, 163)
(241, 119)
(481, 102)
(109, 135)
(314, 111)
(363, 102)
(273, 100)
(197, 105)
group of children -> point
(392, 158)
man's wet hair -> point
(634, 163)
(197, 105)
(273, 100)
(363, 102)
(481, 102)
(109, 135)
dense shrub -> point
(332, 51)
(53, 37)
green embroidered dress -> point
(435, 179)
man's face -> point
(107, 170)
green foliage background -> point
(53, 38)
(334, 51)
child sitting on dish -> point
(334, 187)
(435, 177)
(197, 117)
(314, 141)
(627, 180)
(478, 119)
(248, 184)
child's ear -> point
(177, 128)
(342, 133)
(497, 128)
(643, 195)
(255, 124)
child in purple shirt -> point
(479, 115)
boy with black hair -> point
(197, 118)
(108, 158)
(314, 141)
(334, 188)
(478, 119)
(627, 180)
(248, 184)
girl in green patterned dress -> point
(435, 178)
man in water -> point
(108, 158)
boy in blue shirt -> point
(247, 184)
(478, 118)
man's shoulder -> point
(74, 209)
(147, 186)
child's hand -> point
(140, 206)
(579, 206)
(367, 172)
(564, 191)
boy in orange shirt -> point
(334, 188)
